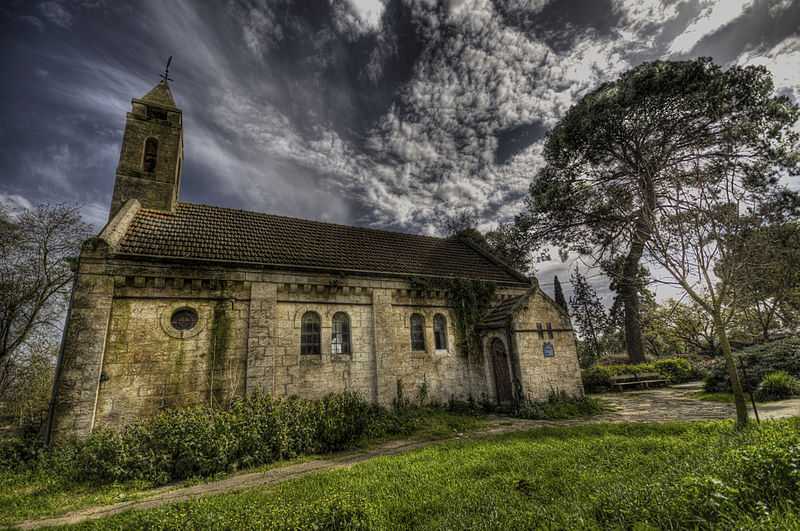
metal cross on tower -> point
(165, 75)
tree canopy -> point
(35, 274)
(623, 148)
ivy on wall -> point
(470, 300)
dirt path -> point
(655, 405)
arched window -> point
(340, 334)
(417, 332)
(310, 334)
(150, 155)
(440, 331)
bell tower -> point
(149, 166)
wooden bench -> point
(642, 379)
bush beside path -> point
(654, 405)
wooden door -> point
(502, 378)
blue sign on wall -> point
(549, 350)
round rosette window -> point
(184, 319)
(181, 322)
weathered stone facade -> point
(123, 358)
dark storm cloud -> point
(306, 109)
(560, 23)
(516, 139)
(329, 70)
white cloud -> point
(484, 78)
(56, 13)
(370, 11)
(13, 204)
(716, 14)
(783, 60)
(95, 214)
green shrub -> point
(559, 405)
(759, 360)
(674, 370)
(18, 450)
(201, 441)
(777, 385)
(344, 418)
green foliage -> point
(16, 451)
(766, 274)
(674, 370)
(674, 326)
(559, 405)
(470, 300)
(589, 317)
(758, 360)
(626, 476)
(25, 398)
(202, 442)
(696, 123)
(754, 473)
(777, 385)
(559, 294)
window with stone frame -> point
(440, 331)
(150, 155)
(340, 334)
(310, 337)
(417, 332)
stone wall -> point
(79, 365)
(539, 374)
(443, 374)
(122, 360)
(149, 366)
(158, 189)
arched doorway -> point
(502, 377)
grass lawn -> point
(713, 397)
(38, 493)
(634, 476)
(719, 397)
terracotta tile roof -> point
(499, 314)
(202, 232)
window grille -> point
(310, 334)
(440, 331)
(417, 332)
(340, 334)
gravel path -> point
(653, 405)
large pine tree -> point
(615, 156)
(588, 313)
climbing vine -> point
(470, 300)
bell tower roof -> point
(160, 95)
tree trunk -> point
(733, 374)
(630, 299)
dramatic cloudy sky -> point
(368, 112)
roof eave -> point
(291, 267)
(497, 261)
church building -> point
(176, 304)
